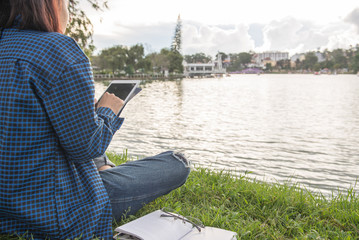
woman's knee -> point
(175, 167)
(181, 157)
(183, 169)
(172, 155)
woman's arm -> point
(83, 133)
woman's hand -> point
(111, 101)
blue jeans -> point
(132, 185)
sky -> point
(229, 26)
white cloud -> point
(290, 34)
(199, 37)
(286, 34)
(353, 18)
(154, 37)
(294, 35)
(343, 40)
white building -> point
(320, 56)
(301, 57)
(198, 68)
(297, 56)
(204, 69)
(274, 56)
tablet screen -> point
(121, 90)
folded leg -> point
(132, 185)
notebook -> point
(162, 225)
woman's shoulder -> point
(52, 53)
(41, 47)
(55, 46)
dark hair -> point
(41, 15)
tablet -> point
(124, 89)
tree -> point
(244, 58)
(135, 55)
(283, 64)
(176, 60)
(174, 56)
(120, 58)
(268, 67)
(144, 65)
(339, 58)
(112, 59)
(156, 61)
(80, 27)
(310, 60)
(159, 61)
(177, 39)
(166, 60)
(298, 64)
(198, 58)
(239, 61)
(355, 64)
(328, 64)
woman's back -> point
(48, 182)
(50, 132)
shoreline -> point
(178, 76)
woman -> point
(50, 131)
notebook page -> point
(154, 227)
(210, 233)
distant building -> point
(204, 69)
(198, 69)
(270, 56)
(266, 61)
(226, 62)
(301, 57)
(320, 56)
(298, 56)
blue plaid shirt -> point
(49, 132)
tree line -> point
(338, 59)
(122, 60)
(332, 60)
(129, 60)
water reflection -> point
(278, 127)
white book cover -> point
(154, 226)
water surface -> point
(278, 127)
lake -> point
(298, 128)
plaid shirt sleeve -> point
(70, 105)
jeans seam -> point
(180, 157)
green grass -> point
(258, 210)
